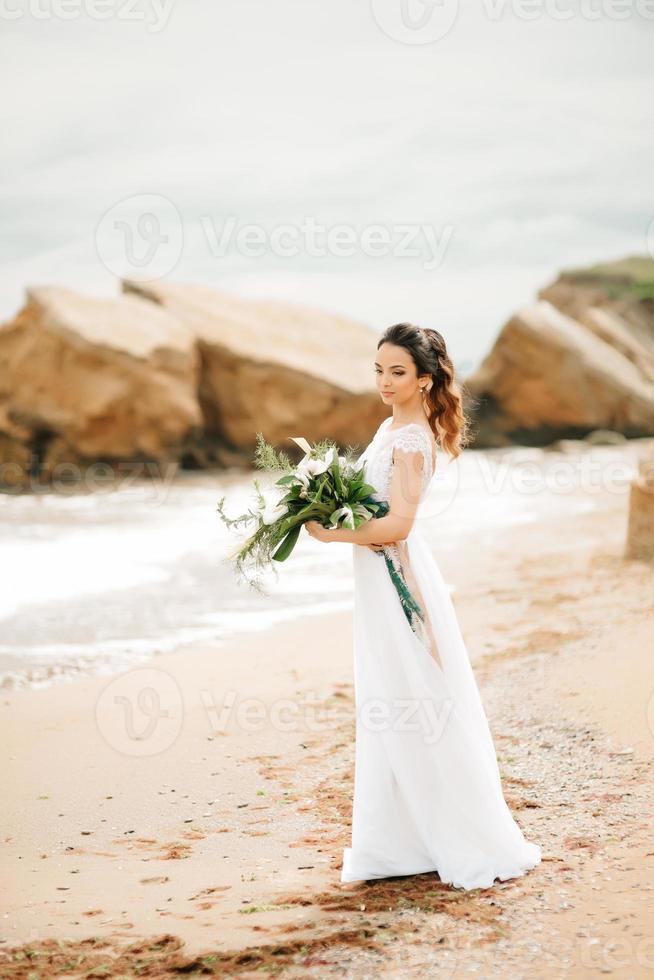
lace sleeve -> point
(412, 441)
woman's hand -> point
(328, 535)
(317, 531)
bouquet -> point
(324, 486)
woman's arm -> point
(406, 485)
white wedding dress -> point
(427, 790)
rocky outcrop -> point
(580, 359)
(86, 380)
(184, 374)
(274, 367)
(640, 532)
(615, 301)
(178, 374)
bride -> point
(427, 789)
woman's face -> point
(396, 375)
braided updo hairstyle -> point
(442, 396)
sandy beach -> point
(190, 814)
(239, 236)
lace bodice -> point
(378, 455)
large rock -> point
(274, 367)
(624, 289)
(561, 371)
(615, 300)
(170, 372)
(87, 379)
(640, 532)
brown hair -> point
(443, 400)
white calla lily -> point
(308, 466)
(317, 466)
(302, 443)
(302, 475)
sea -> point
(385, 160)
(98, 581)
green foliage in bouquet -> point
(410, 607)
(323, 487)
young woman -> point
(427, 790)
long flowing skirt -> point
(427, 789)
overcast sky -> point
(505, 147)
